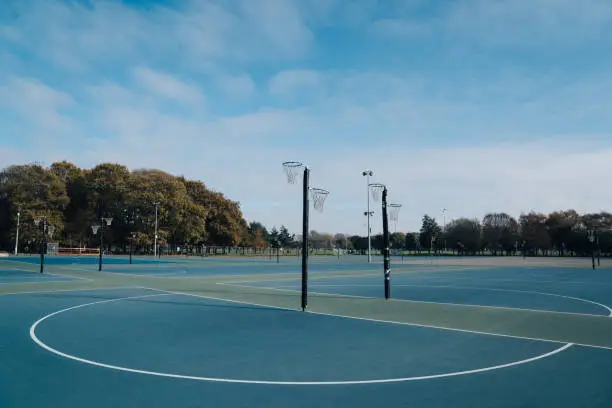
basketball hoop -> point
(95, 228)
(108, 221)
(393, 210)
(318, 198)
(37, 221)
(292, 170)
(376, 189)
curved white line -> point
(486, 289)
(231, 380)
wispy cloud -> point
(471, 106)
(167, 86)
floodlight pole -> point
(131, 245)
(368, 174)
(591, 236)
(386, 257)
(43, 241)
(155, 239)
(101, 245)
(17, 232)
(444, 228)
(598, 249)
(305, 220)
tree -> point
(534, 232)
(464, 236)
(285, 238)
(258, 235)
(74, 199)
(560, 226)
(430, 231)
(359, 243)
(500, 233)
(397, 240)
(273, 238)
(342, 241)
(411, 241)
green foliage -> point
(411, 241)
(397, 240)
(464, 235)
(74, 199)
(429, 233)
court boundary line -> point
(50, 349)
(68, 290)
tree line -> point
(74, 199)
(188, 213)
(558, 233)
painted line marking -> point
(69, 290)
(43, 345)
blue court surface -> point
(139, 347)
(226, 267)
(16, 275)
(229, 333)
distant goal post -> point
(78, 251)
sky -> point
(474, 106)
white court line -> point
(230, 380)
(484, 289)
(68, 290)
(38, 274)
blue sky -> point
(473, 106)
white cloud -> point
(167, 85)
(471, 141)
(524, 23)
(237, 86)
(294, 80)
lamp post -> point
(155, 240)
(104, 222)
(45, 229)
(17, 232)
(133, 235)
(368, 213)
(444, 210)
(591, 235)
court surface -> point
(229, 333)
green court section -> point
(562, 290)
(207, 337)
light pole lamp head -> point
(367, 173)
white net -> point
(292, 170)
(393, 210)
(108, 221)
(376, 190)
(318, 198)
(95, 228)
